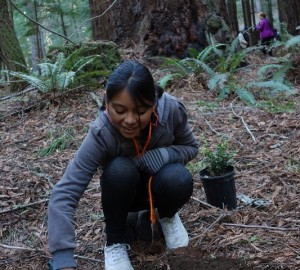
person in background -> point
(266, 33)
(141, 140)
(243, 37)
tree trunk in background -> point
(227, 10)
(61, 15)
(248, 19)
(10, 50)
(221, 9)
(162, 27)
(269, 11)
(232, 16)
(36, 38)
(289, 12)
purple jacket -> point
(265, 28)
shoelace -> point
(119, 251)
(171, 226)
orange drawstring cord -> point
(139, 154)
(152, 213)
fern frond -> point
(203, 66)
(246, 96)
(224, 93)
(215, 46)
(59, 64)
(218, 81)
(203, 55)
(294, 41)
(64, 79)
(83, 62)
(272, 85)
(163, 82)
(233, 46)
(33, 81)
(264, 69)
(46, 69)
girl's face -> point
(126, 117)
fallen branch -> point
(19, 93)
(202, 202)
(41, 250)
(23, 206)
(243, 121)
(97, 99)
(218, 133)
(260, 227)
(201, 236)
(22, 248)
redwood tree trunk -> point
(163, 27)
(10, 49)
(232, 16)
(289, 12)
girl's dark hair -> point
(137, 80)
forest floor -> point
(261, 233)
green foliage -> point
(217, 160)
(278, 106)
(54, 77)
(278, 71)
(194, 167)
(165, 80)
(246, 95)
(58, 143)
(274, 87)
(284, 34)
(293, 42)
(108, 57)
(221, 66)
(210, 106)
(50, 14)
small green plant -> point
(59, 143)
(217, 160)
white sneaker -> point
(175, 234)
(116, 257)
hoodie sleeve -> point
(66, 195)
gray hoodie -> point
(102, 143)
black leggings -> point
(124, 189)
(266, 42)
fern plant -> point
(53, 77)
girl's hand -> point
(152, 161)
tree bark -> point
(11, 54)
(289, 12)
(232, 16)
(161, 27)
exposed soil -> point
(261, 234)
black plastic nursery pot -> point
(220, 191)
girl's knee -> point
(120, 172)
(174, 178)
